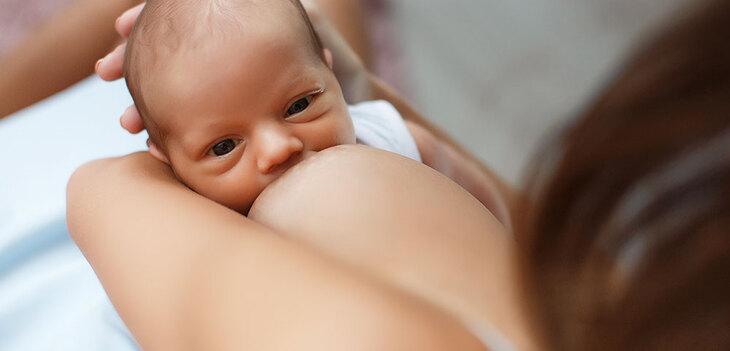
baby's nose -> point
(277, 148)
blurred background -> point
(500, 75)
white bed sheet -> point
(50, 298)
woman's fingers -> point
(131, 120)
(111, 66)
(126, 21)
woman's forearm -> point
(59, 53)
(188, 274)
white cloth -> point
(378, 124)
(50, 298)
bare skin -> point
(434, 289)
(427, 236)
(158, 268)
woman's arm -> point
(186, 273)
(58, 54)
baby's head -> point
(233, 92)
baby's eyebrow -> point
(301, 82)
(188, 147)
(194, 141)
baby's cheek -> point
(348, 134)
(236, 194)
(346, 129)
(233, 192)
(338, 130)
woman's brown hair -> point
(627, 235)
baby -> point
(234, 93)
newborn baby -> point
(234, 93)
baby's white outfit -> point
(378, 124)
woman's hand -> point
(110, 67)
(348, 66)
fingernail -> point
(98, 63)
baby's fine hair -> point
(167, 26)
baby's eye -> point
(299, 106)
(224, 147)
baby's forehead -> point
(183, 21)
(210, 83)
(258, 59)
(178, 30)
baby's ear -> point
(157, 153)
(328, 58)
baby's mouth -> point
(288, 164)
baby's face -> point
(239, 113)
